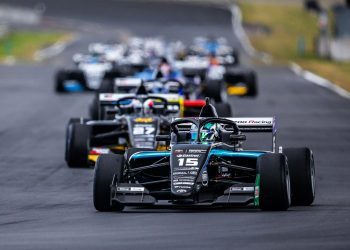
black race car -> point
(127, 120)
(206, 164)
(189, 97)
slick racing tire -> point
(77, 141)
(250, 80)
(106, 86)
(106, 167)
(274, 188)
(214, 90)
(68, 135)
(59, 81)
(235, 56)
(302, 175)
(93, 109)
(223, 109)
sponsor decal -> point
(143, 119)
(197, 151)
(241, 189)
(188, 155)
(257, 190)
(131, 189)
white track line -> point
(52, 50)
(318, 80)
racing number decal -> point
(189, 162)
(143, 130)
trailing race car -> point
(217, 65)
(190, 97)
(89, 72)
(94, 70)
(127, 121)
(206, 164)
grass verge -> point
(289, 33)
(21, 45)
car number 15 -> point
(189, 162)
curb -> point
(318, 80)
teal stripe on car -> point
(150, 155)
(227, 153)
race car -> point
(190, 97)
(104, 63)
(207, 46)
(216, 64)
(88, 74)
(206, 164)
(127, 120)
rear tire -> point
(223, 109)
(94, 108)
(106, 167)
(274, 192)
(214, 90)
(106, 86)
(302, 175)
(250, 80)
(59, 81)
(77, 141)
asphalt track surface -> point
(46, 205)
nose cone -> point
(186, 162)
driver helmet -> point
(148, 107)
(209, 132)
(164, 67)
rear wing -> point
(249, 125)
(110, 99)
(255, 124)
(128, 81)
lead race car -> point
(206, 164)
(126, 121)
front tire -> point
(106, 86)
(223, 109)
(59, 81)
(302, 175)
(94, 108)
(274, 189)
(77, 141)
(214, 90)
(250, 81)
(106, 167)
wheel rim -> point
(68, 141)
(223, 93)
(312, 175)
(288, 186)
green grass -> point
(22, 45)
(289, 24)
